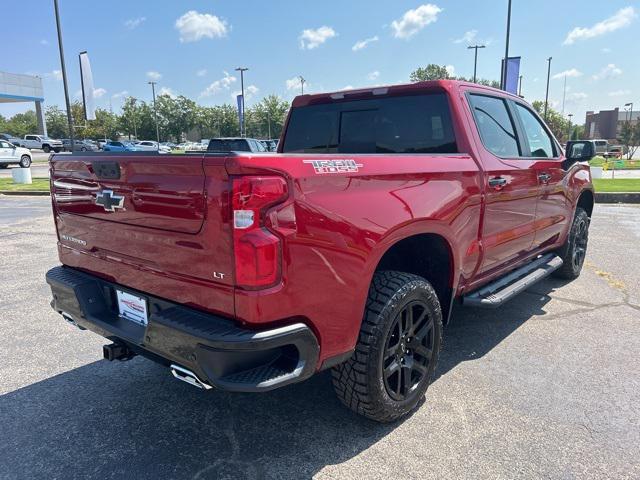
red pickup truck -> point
(345, 250)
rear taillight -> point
(257, 250)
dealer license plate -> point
(132, 307)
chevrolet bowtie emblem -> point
(109, 201)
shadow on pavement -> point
(134, 420)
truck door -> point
(553, 208)
(511, 184)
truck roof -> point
(446, 85)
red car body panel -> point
(176, 239)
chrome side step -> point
(513, 283)
(189, 377)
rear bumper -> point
(220, 352)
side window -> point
(4, 145)
(30, 137)
(495, 125)
(540, 143)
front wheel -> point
(397, 349)
(25, 161)
(574, 251)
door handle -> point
(544, 177)
(497, 183)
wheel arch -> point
(438, 267)
(586, 200)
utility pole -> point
(243, 128)
(564, 93)
(133, 113)
(64, 75)
(546, 98)
(570, 126)
(302, 82)
(155, 111)
(503, 80)
(475, 60)
(269, 123)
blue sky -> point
(192, 47)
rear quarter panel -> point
(345, 222)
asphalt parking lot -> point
(547, 386)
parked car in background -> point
(102, 142)
(78, 146)
(235, 144)
(602, 146)
(13, 155)
(614, 151)
(112, 146)
(41, 142)
(146, 145)
(10, 138)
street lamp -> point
(546, 98)
(302, 81)
(630, 105)
(64, 75)
(503, 80)
(242, 70)
(155, 111)
(475, 61)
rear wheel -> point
(574, 251)
(397, 348)
(46, 148)
(25, 161)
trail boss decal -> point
(334, 166)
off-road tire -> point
(46, 148)
(25, 161)
(574, 250)
(360, 382)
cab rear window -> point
(401, 124)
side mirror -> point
(579, 151)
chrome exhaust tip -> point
(189, 377)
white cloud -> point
(121, 94)
(618, 20)
(293, 83)
(194, 26)
(167, 91)
(44, 42)
(605, 50)
(576, 97)
(572, 73)
(619, 93)
(347, 87)
(373, 75)
(134, 22)
(153, 75)
(468, 37)
(415, 20)
(202, 72)
(219, 85)
(609, 71)
(250, 91)
(99, 92)
(451, 70)
(364, 43)
(310, 38)
(57, 74)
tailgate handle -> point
(108, 170)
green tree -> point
(57, 125)
(557, 123)
(22, 124)
(267, 117)
(176, 116)
(3, 124)
(630, 137)
(440, 72)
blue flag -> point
(513, 74)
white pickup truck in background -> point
(41, 142)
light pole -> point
(155, 111)
(475, 60)
(302, 81)
(243, 128)
(570, 125)
(520, 86)
(64, 75)
(630, 105)
(503, 80)
(133, 114)
(546, 98)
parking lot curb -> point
(617, 197)
(33, 193)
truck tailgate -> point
(152, 222)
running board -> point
(513, 283)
